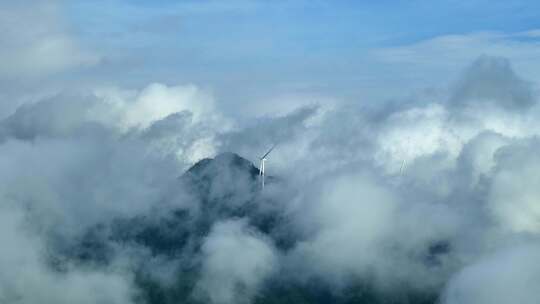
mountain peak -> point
(226, 160)
(226, 177)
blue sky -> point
(258, 50)
(318, 44)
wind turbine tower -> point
(402, 168)
(261, 165)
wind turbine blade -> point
(265, 155)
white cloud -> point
(139, 109)
(470, 181)
(514, 194)
(236, 261)
(27, 278)
(510, 276)
(354, 215)
(437, 60)
(36, 42)
(158, 101)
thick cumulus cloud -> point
(69, 164)
(436, 196)
(26, 277)
(167, 117)
(155, 102)
(492, 81)
(356, 227)
(179, 120)
(510, 276)
(379, 236)
(513, 198)
(236, 261)
(466, 189)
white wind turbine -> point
(402, 168)
(261, 164)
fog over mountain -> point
(405, 168)
(104, 205)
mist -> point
(147, 191)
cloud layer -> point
(465, 197)
(433, 195)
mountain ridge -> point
(226, 187)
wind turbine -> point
(261, 164)
(402, 168)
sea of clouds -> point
(434, 193)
